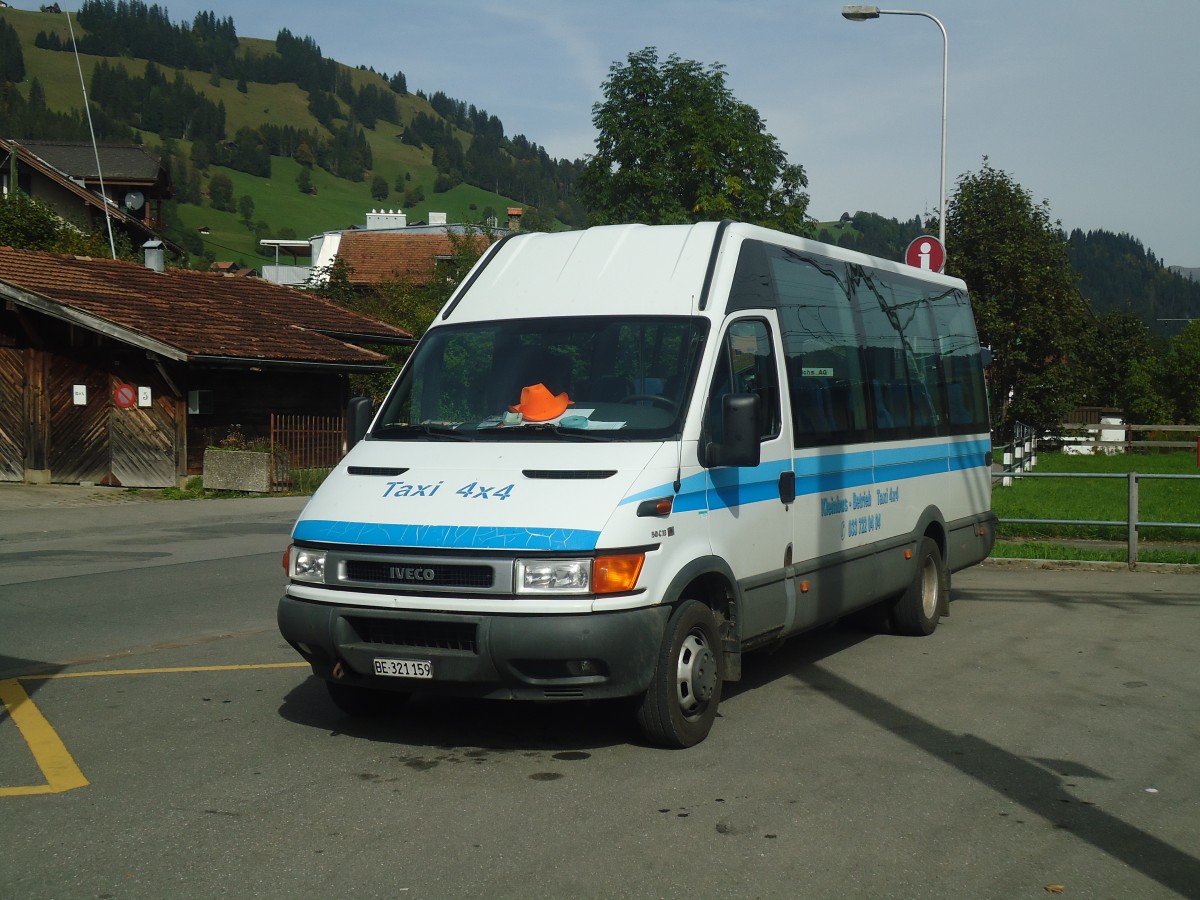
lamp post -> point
(862, 14)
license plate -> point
(404, 668)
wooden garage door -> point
(12, 414)
(79, 447)
(143, 437)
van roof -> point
(618, 270)
(612, 269)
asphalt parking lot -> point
(159, 739)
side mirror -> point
(739, 442)
(358, 419)
(985, 355)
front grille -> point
(417, 635)
(421, 574)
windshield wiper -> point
(423, 429)
(542, 429)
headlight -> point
(602, 575)
(307, 565)
(554, 576)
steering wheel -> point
(657, 399)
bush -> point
(220, 192)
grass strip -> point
(1103, 499)
(1050, 550)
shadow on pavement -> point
(1035, 784)
(19, 668)
(447, 722)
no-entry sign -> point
(125, 395)
(926, 252)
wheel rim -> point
(696, 675)
(930, 588)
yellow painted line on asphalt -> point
(49, 752)
(167, 671)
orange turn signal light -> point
(614, 574)
(660, 507)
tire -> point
(681, 703)
(361, 702)
(917, 611)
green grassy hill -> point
(337, 202)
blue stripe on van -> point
(467, 537)
(728, 487)
(819, 474)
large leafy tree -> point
(1028, 307)
(676, 146)
(1184, 366)
(1126, 368)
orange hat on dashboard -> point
(539, 405)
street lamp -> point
(860, 13)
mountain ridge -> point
(273, 183)
(419, 175)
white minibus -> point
(624, 456)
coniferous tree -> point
(12, 61)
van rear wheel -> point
(681, 703)
(917, 611)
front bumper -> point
(522, 657)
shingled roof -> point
(120, 162)
(194, 316)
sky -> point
(1092, 106)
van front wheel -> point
(679, 707)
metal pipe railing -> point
(1132, 522)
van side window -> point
(965, 399)
(746, 365)
(820, 341)
(903, 353)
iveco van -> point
(622, 457)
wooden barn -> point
(117, 373)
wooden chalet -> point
(114, 373)
(66, 178)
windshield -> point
(583, 378)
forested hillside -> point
(242, 120)
(269, 138)
(871, 233)
(1116, 273)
